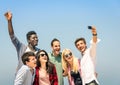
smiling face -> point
(81, 46)
(32, 62)
(67, 55)
(43, 57)
(33, 40)
(56, 48)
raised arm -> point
(94, 41)
(8, 16)
(94, 33)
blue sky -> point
(65, 20)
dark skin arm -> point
(8, 16)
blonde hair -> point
(65, 63)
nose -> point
(79, 46)
(69, 55)
(36, 39)
(35, 60)
(58, 47)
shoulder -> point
(60, 53)
(37, 49)
(49, 54)
(25, 68)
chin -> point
(35, 44)
(57, 53)
(34, 66)
(45, 60)
(81, 51)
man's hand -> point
(8, 15)
(94, 32)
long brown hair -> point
(49, 65)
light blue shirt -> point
(24, 76)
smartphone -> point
(90, 27)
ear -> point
(51, 46)
(26, 62)
(28, 40)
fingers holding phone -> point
(93, 29)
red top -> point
(52, 77)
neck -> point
(83, 52)
(55, 54)
(32, 71)
(43, 65)
(32, 48)
(71, 64)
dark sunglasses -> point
(42, 55)
(69, 54)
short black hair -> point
(80, 39)
(55, 39)
(29, 34)
(25, 57)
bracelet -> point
(94, 34)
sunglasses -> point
(69, 54)
(42, 55)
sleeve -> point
(20, 77)
(18, 45)
(55, 78)
(70, 79)
(36, 79)
(16, 42)
(93, 48)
